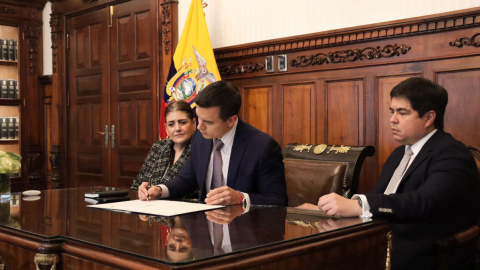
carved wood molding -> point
(349, 36)
(166, 20)
(7, 10)
(240, 69)
(34, 162)
(54, 162)
(37, 4)
(56, 32)
(349, 55)
(32, 33)
(467, 41)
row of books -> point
(9, 89)
(9, 128)
(8, 49)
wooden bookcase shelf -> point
(9, 107)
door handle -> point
(106, 136)
(112, 133)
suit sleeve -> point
(450, 182)
(270, 177)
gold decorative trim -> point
(388, 264)
(467, 41)
(340, 149)
(349, 55)
(302, 147)
(319, 149)
(46, 259)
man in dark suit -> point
(230, 162)
(428, 187)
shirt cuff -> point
(165, 192)
(365, 206)
(247, 199)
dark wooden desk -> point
(58, 229)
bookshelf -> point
(9, 101)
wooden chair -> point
(315, 170)
(466, 237)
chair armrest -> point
(445, 245)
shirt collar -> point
(416, 147)
(227, 139)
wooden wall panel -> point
(144, 117)
(124, 132)
(463, 88)
(143, 31)
(298, 113)
(257, 108)
(345, 112)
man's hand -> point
(334, 204)
(224, 216)
(154, 192)
(223, 196)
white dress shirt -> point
(416, 147)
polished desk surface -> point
(62, 214)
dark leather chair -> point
(311, 172)
(308, 180)
(466, 237)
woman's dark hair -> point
(181, 106)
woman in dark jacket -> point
(167, 156)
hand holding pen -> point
(148, 191)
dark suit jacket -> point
(438, 196)
(256, 167)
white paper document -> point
(156, 207)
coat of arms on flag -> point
(193, 66)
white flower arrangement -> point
(9, 163)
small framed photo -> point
(269, 64)
(282, 62)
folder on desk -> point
(107, 193)
(106, 200)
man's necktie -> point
(217, 238)
(397, 175)
(217, 164)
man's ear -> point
(231, 121)
(194, 124)
(431, 115)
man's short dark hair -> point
(424, 96)
(220, 94)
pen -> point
(148, 187)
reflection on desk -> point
(263, 236)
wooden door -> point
(134, 109)
(88, 86)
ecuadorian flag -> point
(193, 65)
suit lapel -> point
(206, 150)
(424, 152)
(238, 149)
